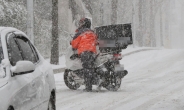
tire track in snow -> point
(67, 98)
(127, 102)
(158, 78)
(75, 100)
(163, 96)
(85, 102)
(158, 69)
(96, 96)
(65, 90)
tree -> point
(30, 20)
(114, 11)
(140, 35)
(13, 14)
(43, 26)
(55, 41)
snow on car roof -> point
(11, 29)
(1, 28)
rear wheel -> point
(114, 83)
(69, 81)
(10, 108)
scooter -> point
(108, 72)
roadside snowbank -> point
(61, 63)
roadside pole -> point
(30, 20)
(133, 22)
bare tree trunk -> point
(144, 17)
(55, 42)
(101, 14)
(161, 28)
(140, 36)
(152, 24)
(114, 11)
(30, 20)
(133, 22)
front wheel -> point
(51, 105)
(69, 80)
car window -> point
(1, 52)
(34, 51)
(13, 50)
(2, 70)
(26, 49)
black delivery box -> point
(114, 37)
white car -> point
(26, 79)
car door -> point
(44, 90)
(22, 90)
(39, 83)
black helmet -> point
(85, 23)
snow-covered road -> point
(155, 82)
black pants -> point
(88, 63)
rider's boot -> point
(98, 89)
(99, 86)
(88, 87)
(87, 90)
(88, 81)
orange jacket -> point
(85, 41)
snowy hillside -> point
(155, 82)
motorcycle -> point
(108, 71)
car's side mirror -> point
(22, 67)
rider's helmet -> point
(84, 23)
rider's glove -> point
(74, 49)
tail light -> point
(117, 56)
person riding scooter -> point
(84, 42)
